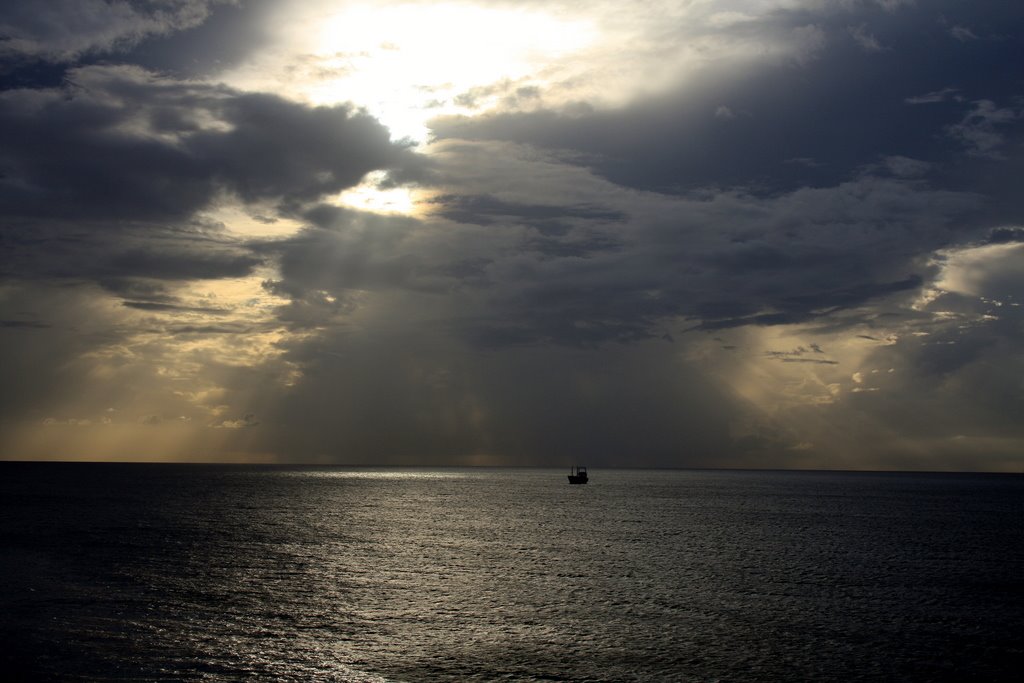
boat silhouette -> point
(578, 475)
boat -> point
(578, 475)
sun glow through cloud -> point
(370, 196)
(409, 63)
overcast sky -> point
(732, 233)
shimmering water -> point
(143, 572)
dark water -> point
(145, 572)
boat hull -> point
(573, 479)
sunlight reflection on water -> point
(380, 473)
(138, 572)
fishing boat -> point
(578, 475)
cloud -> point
(485, 209)
(839, 109)
(71, 421)
(247, 420)
(61, 30)
(232, 31)
(864, 38)
(23, 324)
(779, 245)
(611, 264)
(799, 355)
(103, 177)
(350, 251)
(1007, 234)
(67, 149)
(962, 33)
(980, 130)
(989, 270)
(890, 5)
(905, 167)
(723, 112)
(933, 97)
(152, 306)
(808, 40)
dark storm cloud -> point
(183, 265)
(101, 176)
(733, 261)
(231, 32)
(139, 289)
(1006, 234)
(804, 307)
(151, 306)
(117, 255)
(834, 160)
(577, 246)
(347, 250)
(840, 109)
(104, 173)
(62, 30)
(715, 261)
(484, 209)
(122, 143)
(203, 330)
(559, 292)
(531, 294)
(800, 355)
(558, 231)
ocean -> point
(208, 572)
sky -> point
(732, 233)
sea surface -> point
(185, 572)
